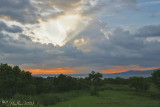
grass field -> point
(110, 98)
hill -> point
(130, 73)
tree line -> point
(13, 81)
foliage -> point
(65, 83)
(156, 78)
(117, 80)
(95, 82)
(139, 83)
(13, 80)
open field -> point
(110, 98)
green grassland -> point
(110, 98)
(112, 95)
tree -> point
(156, 78)
(95, 82)
(95, 77)
(64, 83)
(7, 83)
(139, 83)
(13, 80)
(119, 80)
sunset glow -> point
(67, 70)
(118, 69)
(52, 71)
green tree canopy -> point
(156, 78)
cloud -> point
(31, 11)
(50, 9)
(149, 31)
(90, 7)
(125, 3)
(19, 10)
(49, 13)
(63, 4)
(12, 28)
(121, 5)
(122, 48)
(152, 2)
(93, 47)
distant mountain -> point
(131, 73)
(137, 72)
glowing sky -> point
(78, 36)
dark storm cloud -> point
(22, 36)
(23, 50)
(11, 46)
(19, 51)
(126, 40)
(20, 10)
(12, 28)
(122, 48)
(149, 31)
(127, 48)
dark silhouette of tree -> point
(13, 80)
(156, 78)
(64, 83)
(139, 83)
(95, 82)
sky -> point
(79, 36)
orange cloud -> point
(118, 69)
(52, 71)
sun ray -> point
(60, 27)
(58, 31)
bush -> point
(49, 99)
(94, 91)
(156, 78)
(139, 83)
